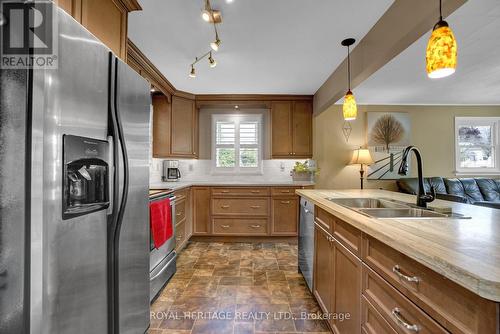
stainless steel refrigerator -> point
(74, 177)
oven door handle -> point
(162, 269)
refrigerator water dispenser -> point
(85, 176)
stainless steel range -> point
(162, 261)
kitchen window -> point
(477, 145)
(237, 144)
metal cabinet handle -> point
(255, 226)
(255, 206)
(397, 270)
(224, 206)
(285, 191)
(285, 202)
(224, 191)
(255, 191)
(178, 214)
(396, 313)
(225, 226)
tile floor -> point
(236, 288)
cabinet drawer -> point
(225, 226)
(324, 219)
(398, 310)
(282, 191)
(348, 236)
(180, 210)
(180, 235)
(454, 307)
(242, 191)
(371, 321)
(240, 206)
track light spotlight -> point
(192, 74)
(216, 44)
(211, 61)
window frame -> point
(237, 119)
(478, 121)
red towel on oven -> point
(160, 220)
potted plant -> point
(303, 172)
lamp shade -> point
(361, 156)
(350, 108)
(441, 55)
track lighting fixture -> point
(211, 61)
(441, 55)
(214, 17)
(350, 108)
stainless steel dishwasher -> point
(306, 241)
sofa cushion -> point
(490, 189)
(410, 185)
(466, 187)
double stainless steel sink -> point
(388, 208)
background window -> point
(477, 144)
(237, 147)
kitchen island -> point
(421, 274)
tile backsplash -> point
(200, 170)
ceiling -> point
(403, 80)
(268, 47)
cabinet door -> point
(162, 113)
(302, 129)
(201, 210)
(347, 287)
(323, 274)
(281, 129)
(184, 127)
(108, 22)
(285, 216)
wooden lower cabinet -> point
(323, 269)
(346, 296)
(285, 216)
(201, 210)
(384, 291)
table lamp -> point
(361, 157)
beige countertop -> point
(211, 183)
(466, 251)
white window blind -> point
(237, 146)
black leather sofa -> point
(477, 191)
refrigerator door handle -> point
(111, 181)
(123, 203)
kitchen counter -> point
(210, 183)
(466, 251)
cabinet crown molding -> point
(129, 5)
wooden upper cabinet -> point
(281, 116)
(175, 127)
(302, 129)
(291, 128)
(162, 115)
(184, 127)
(106, 19)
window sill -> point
(475, 173)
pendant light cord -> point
(440, 10)
(348, 68)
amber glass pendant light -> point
(441, 55)
(349, 109)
